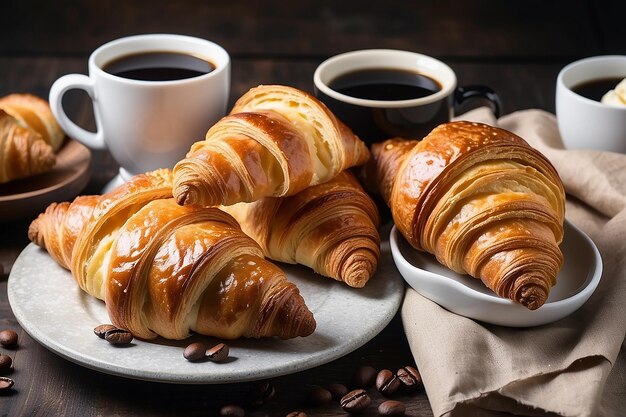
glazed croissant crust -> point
(29, 136)
(277, 141)
(330, 227)
(164, 269)
(482, 201)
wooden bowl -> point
(27, 197)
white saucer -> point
(469, 297)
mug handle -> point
(470, 92)
(57, 91)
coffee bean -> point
(232, 411)
(297, 414)
(5, 383)
(195, 351)
(410, 377)
(319, 396)
(118, 337)
(101, 330)
(8, 339)
(337, 390)
(391, 408)
(218, 353)
(5, 364)
(387, 383)
(262, 393)
(355, 401)
(364, 376)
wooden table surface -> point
(515, 47)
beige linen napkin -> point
(565, 368)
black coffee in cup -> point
(596, 88)
(386, 84)
(158, 66)
(385, 93)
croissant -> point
(277, 141)
(165, 270)
(29, 135)
(330, 227)
(34, 113)
(482, 201)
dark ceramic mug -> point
(378, 119)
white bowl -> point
(469, 297)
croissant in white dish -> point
(480, 199)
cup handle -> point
(481, 92)
(57, 91)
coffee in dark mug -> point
(383, 93)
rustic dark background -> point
(516, 47)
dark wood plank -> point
(490, 28)
(608, 18)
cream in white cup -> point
(585, 123)
(147, 125)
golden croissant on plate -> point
(164, 269)
(277, 141)
(29, 136)
(330, 227)
(482, 201)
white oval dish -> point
(469, 297)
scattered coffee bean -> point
(8, 339)
(5, 364)
(232, 411)
(5, 383)
(319, 396)
(118, 337)
(337, 390)
(391, 408)
(364, 376)
(262, 393)
(410, 377)
(195, 351)
(297, 414)
(101, 330)
(355, 401)
(218, 353)
(387, 383)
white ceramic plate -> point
(469, 297)
(54, 311)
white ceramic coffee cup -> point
(585, 123)
(147, 125)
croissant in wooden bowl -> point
(29, 136)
